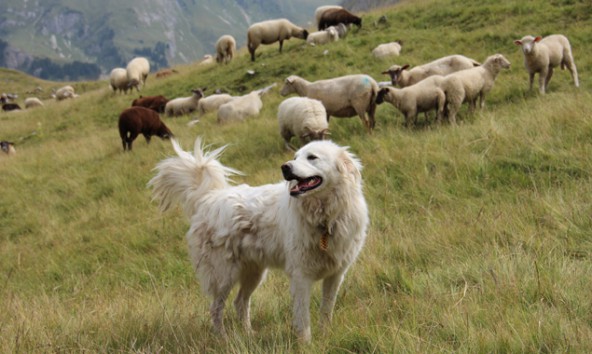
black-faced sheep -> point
(402, 77)
(225, 49)
(271, 31)
(137, 72)
(7, 147)
(343, 96)
(155, 103)
(334, 17)
(541, 55)
(184, 105)
(134, 121)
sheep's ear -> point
(290, 80)
(203, 89)
(518, 42)
(538, 38)
(406, 66)
(386, 72)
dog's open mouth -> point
(305, 184)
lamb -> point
(7, 147)
(303, 117)
(343, 96)
(118, 80)
(155, 103)
(541, 55)
(402, 77)
(321, 9)
(165, 72)
(386, 50)
(421, 97)
(323, 37)
(470, 84)
(31, 102)
(137, 72)
(140, 120)
(225, 49)
(271, 31)
(184, 105)
(65, 92)
(334, 17)
(240, 108)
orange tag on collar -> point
(324, 243)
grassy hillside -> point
(479, 238)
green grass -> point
(480, 237)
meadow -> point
(480, 237)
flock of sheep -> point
(442, 85)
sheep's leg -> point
(530, 81)
(147, 137)
(281, 45)
(548, 78)
(248, 283)
(252, 51)
(569, 62)
(542, 79)
(481, 100)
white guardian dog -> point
(313, 225)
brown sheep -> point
(334, 17)
(139, 120)
(165, 72)
(155, 103)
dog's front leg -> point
(330, 288)
(300, 289)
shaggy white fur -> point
(313, 225)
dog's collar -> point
(324, 241)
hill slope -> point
(479, 237)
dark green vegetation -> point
(480, 236)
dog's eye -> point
(311, 157)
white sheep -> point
(118, 80)
(472, 84)
(321, 9)
(343, 96)
(420, 97)
(64, 92)
(240, 108)
(207, 59)
(184, 105)
(323, 37)
(271, 31)
(341, 30)
(303, 117)
(225, 49)
(137, 72)
(541, 55)
(386, 50)
(402, 77)
(31, 102)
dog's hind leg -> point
(330, 288)
(249, 281)
(300, 288)
(217, 308)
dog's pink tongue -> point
(295, 189)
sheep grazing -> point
(134, 121)
(271, 31)
(303, 117)
(137, 72)
(240, 108)
(470, 84)
(118, 80)
(334, 17)
(65, 92)
(165, 73)
(32, 102)
(411, 100)
(386, 50)
(184, 105)
(541, 55)
(343, 96)
(321, 9)
(7, 147)
(402, 77)
(155, 103)
(7, 107)
(323, 37)
(225, 49)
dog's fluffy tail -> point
(186, 178)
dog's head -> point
(321, 166)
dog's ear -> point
(348, 164)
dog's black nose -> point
(287, 172)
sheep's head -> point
(528, 43)
(304, 34)
(288, 86)
(498, 61)
(381, 93)
(395, 72)
(199, 92)
(310, 135)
